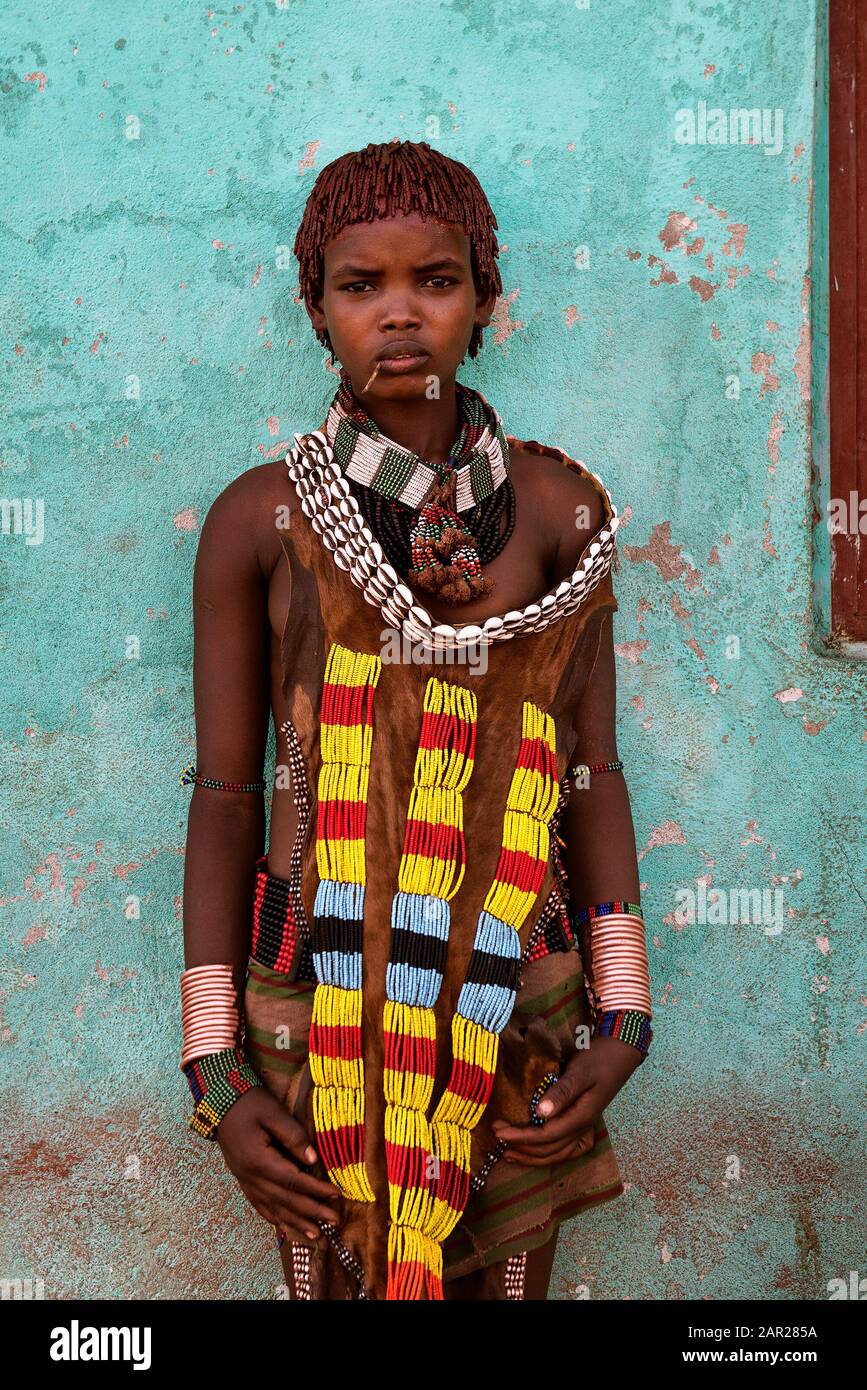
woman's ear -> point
(314, 310)
(484, 308)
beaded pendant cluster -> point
(436, 537)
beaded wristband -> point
(189, 776)
(629, 1026)
(216, 1082)
(585, 769)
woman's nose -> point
(400, 313)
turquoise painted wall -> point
(157, 160)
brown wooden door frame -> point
(847, 249)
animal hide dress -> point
(416, 978)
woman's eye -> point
(440, 281)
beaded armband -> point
(189, 776)
(216, 1082)
(279, 937)
(616, 906)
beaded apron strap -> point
(515, 1274)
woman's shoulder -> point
(253, 511)
(572, 501)
(264, 482)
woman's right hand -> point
(256, 1135)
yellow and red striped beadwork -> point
(430, 873)
(336, 1063)
(427, 1160)
(484, 1006)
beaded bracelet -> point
(629, 1025)
(209, 1011)
(189, 775)
(585, 769)
(216, 1082)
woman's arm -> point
(226, 832)
(602, 868)
(600, 860)
(599, 855)
(602, 865)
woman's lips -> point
(405, 362)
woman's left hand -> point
(571, 1105)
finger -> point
(297, 1207)
(555, 1149)
(303, 1193)
(274, 1165)
(563, 1095)
(566, 1090)
(527, 1161)
(578, 1116)
(540, 1142)
(290, 1134)
(298, 1234)
(524, 1136)
(268, 1213)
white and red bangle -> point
(212, 1058)
(620, 977)
(209, 1011)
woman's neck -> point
(428, 427)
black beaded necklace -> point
(391, 522)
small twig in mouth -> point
(373, 374)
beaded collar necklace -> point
(444, 551)
(479, 459)
(335, 516)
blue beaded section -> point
(338, 913)
(420, 925)
(496, 957)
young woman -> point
(403, 1023)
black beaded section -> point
(338, 935)
(420, 949)
(487, 968)
(391, 522)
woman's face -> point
(400, 284)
